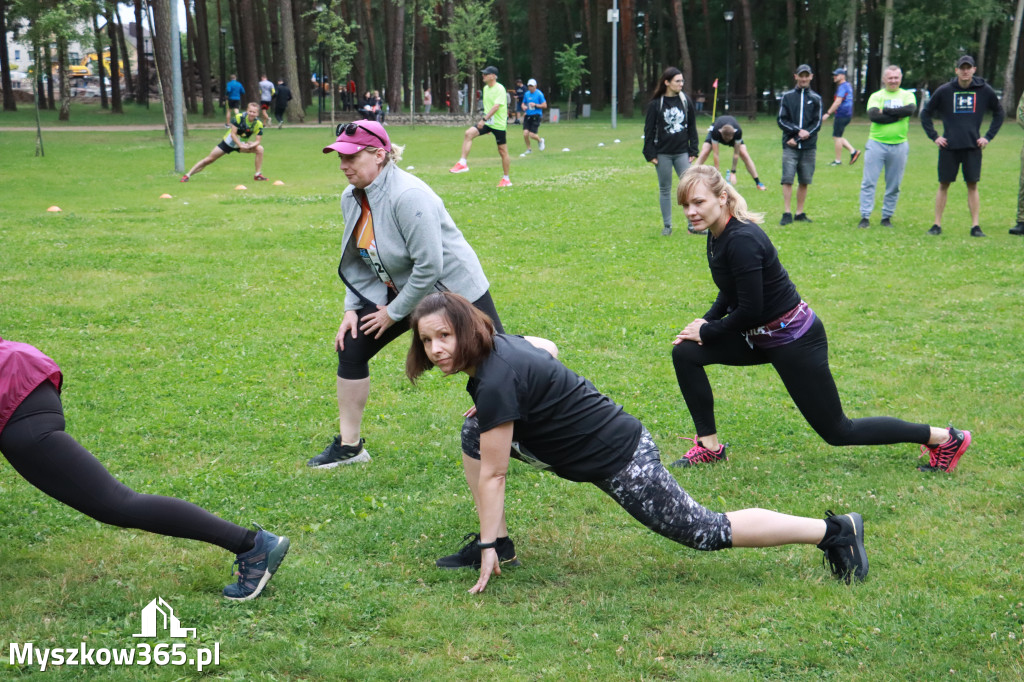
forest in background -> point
(399, 47)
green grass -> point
(195, 334)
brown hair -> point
(716, 184)
(474, 333)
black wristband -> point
(487, 545)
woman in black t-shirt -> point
(758, 318)
(670, 137)
(529, 406)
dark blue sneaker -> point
(844, 552)
(336, 454)
(257, 566)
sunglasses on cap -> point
(351, 129)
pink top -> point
(22, 369)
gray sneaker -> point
(844, 553)
(257, 566)
(864, 223)
(666, 231)
(336, 454)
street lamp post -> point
(223, 74)
(728, 15)
(320, 7)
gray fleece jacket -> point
(418, 243)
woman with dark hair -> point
(528, 405)
(670, 137)
(399, 245)
(33, 440)
(759, 318)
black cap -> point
(804, 68)
(966, 59)
(490, 70)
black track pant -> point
(35, 444)
(803, 367)
(354, 361)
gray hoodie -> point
(417, 241)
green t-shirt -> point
(495, 94)
(890, 133)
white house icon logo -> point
(170, 622)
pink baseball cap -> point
(356, 136)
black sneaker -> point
(469, 555)
(935, 230)
(976, 232)
(844, 553)
(886, 222)
(864, 223)
(787, 218)
(854, 156)
(802, 218)
(336, 453)
(1017, 229)
(945, 456)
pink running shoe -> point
(504, 182)
(699, 454)
(945, 456)
(459, 168)
(184, 178)
(259, 176)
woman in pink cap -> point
(399, 245)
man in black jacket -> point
(961, 103)
(800, 118)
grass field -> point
(195, 335)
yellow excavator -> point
(84, 68)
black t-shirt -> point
(560, 418)
(753, 287)
(670, 127)
(715, 131)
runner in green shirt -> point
(494, 121)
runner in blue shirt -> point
(533, 106)
(841, 112)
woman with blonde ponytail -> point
(759, 318)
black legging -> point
(35, 444)
(354, 361)
(803, 367)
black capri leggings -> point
(646, 490)
(354, 361)
(803, 367)
(35, 444)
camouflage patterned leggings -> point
(652, 496)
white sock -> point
(463, 161)
(505, 177)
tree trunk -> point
(274, 26)
(115, 69)
(266, 61)
(372, 71)
(505, 26)
(791, 36)
(886, 31)
(65, 82)
(598, 41)
(247, 33)
(52, 103)
(749, 59)
(203, 55)
(451, 67)
(301, 90)
(162, 55)
(129, 81)
(394, 20)
(627, 24)
(1009, 99)
(982, 43)
(540, 44)
(97, 42)
(295, 112)
(5, 64)
(188, 71)
(684, 47)
(142, 94)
